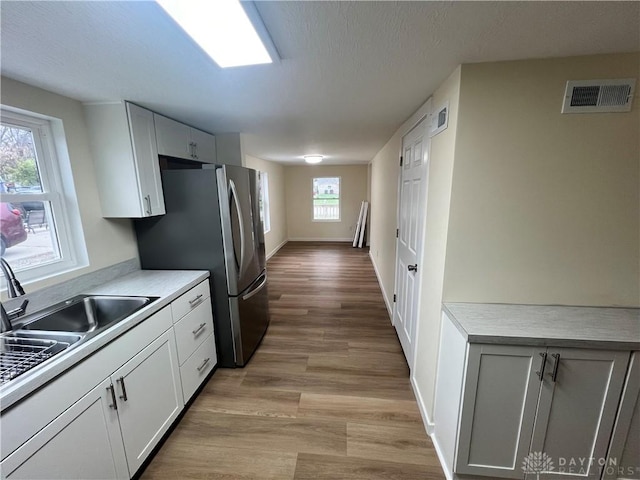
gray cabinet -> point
(123, 142)
(497, 404)
(178, 140)
(623, 460)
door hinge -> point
(397, 232)
(394, 298)
(400, 161)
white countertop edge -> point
(17, 389)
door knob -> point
(413, 268)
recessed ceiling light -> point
(221, 28)
(313, 158)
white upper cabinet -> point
(178, 140)
(123, 141)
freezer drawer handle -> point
(204, 364)
(256, 290)
(198, 330)
(195, 300)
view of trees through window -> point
(27, 230)
(326, 198)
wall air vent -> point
(594, 96)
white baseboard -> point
(318, 239)
(275, 250)
(384, 294)
(430, 427)
(428, 424)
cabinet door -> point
(623, 461)
(576, 411)
(143, 139)
(149, 397)
(205, 146)
(499, 406)
(82, 443)
(174, 138)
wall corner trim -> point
(276, 249)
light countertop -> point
(167, 285)
(542, 325)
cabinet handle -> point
(195, 151)
(556, 364)
(540, 372)
(124, 390)
(195, 300)
(199, 329)
(112, 391)
(192, 149)
(204, 364)
(147, 199)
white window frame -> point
(313, 213)
(59, 193)
(266, 211)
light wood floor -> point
(326, 396)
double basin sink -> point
(40, 336)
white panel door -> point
(149, 397)
(576, 411)
(82, 443)
(204, 145)
(174, 138)
(411, 217)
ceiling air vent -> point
(593, 96)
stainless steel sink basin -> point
(86, 313)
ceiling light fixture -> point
(313, 158)
(221, 28)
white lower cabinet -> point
(73, 429)
(82, 443)
(149, 397)
(498, 406)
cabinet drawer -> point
(190, 300)
(193, 329)
(195, 370)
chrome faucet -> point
(14, 290)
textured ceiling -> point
(350, 72)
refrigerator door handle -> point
(257, 289)
(234, 194)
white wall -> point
(298, 184)
(277, 236)
(108, 241)
(545, 207)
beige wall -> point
(108, 241)
(441, 164)
(298, 184)
(545, 206)
(385, 168)
(277, 236)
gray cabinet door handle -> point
(198, 330)
(413, 268)
(556, 364)
(124, 390)
(113, 403)
(204, 364)
(540, 372)
(195, 300)
(147, 200)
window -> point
(326, 199)
(35, 233)
(265, 215)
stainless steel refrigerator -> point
(213, 223)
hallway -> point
(326, 396)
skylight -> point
(221, 28)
